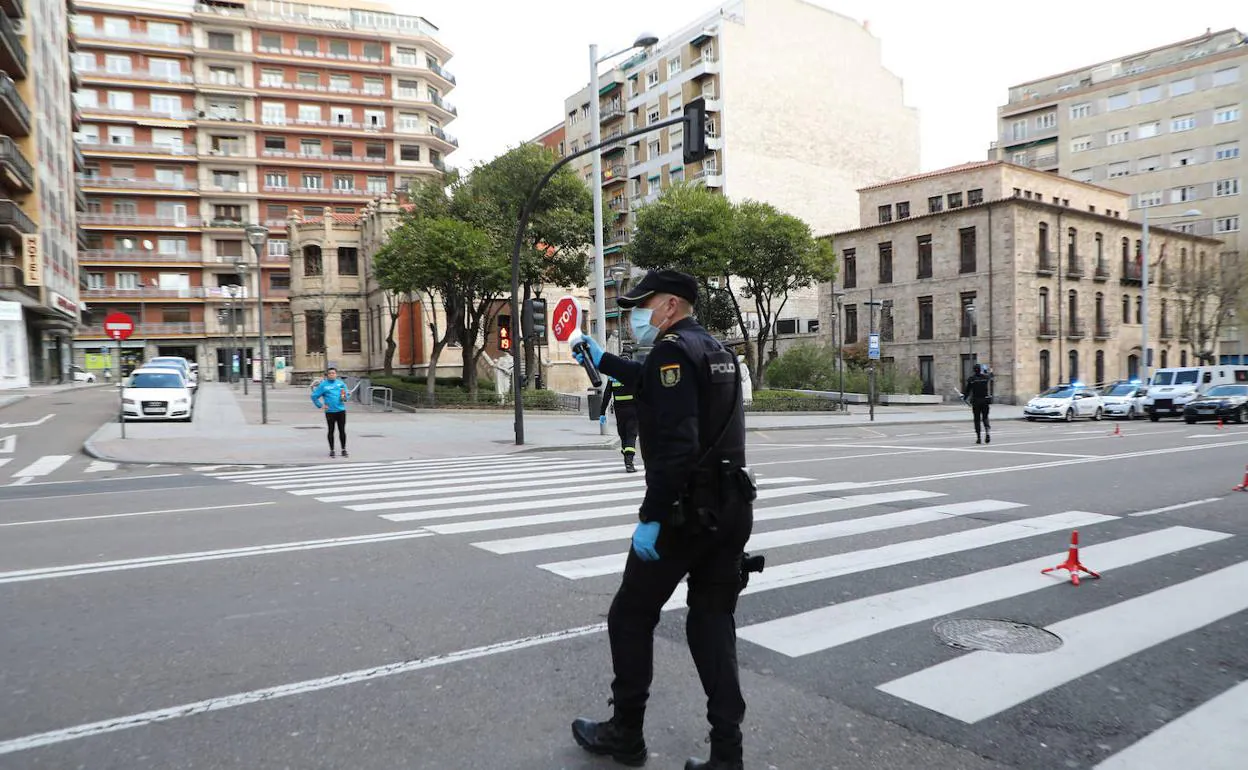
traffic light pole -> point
(527, 211)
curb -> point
(11, 400)
(942, 421)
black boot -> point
(725, 752)
(623, 743)
(628, 463)
(987, 437)
(978, 440)
(715, 763)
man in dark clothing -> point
(978, 393)
(695, 520)
(625, 418)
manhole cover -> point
(996, 636)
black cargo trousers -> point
(712, 560)
(979, 412)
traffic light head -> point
(533, 323)
(695, 130)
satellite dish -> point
(147, 245)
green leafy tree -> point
(774, 254)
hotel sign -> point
(32, 260)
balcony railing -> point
(611, 112)
(287, 154)
(618, 204)
(12, 157)
(1101, 330)
(277, 258)
(1045, 263)
(1131, 272)
(11, 215)
(137, 74)
(1167, 332)
(147, 330)
(1074, 267)
(414, 95)
(137, 147)
(318, 54)
(1076, 329)
(292, 190)
(80, 160)
(138, 220)
(441, 134)
(616, 172)
(124, 183)
(1101, 272)
(19, 125)
(147, 292)
(618, 237)
(137, 112)
(16, 53)
(415, 62)
(1047, 329)
(122, 255)
(136, 36)
(414, 26)
(1185, 333)
(317, 88)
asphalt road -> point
(448, 614)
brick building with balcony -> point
(200, 120)
(1036, 275)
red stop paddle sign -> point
(566, 320)
(119, 326)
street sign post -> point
(119, 326)
(566, 320)
(873, 347)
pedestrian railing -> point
(381, 398)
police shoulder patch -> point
(672, 336)
(669, 375)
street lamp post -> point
(233, 290)
(243, 270)
(643, 40)
(1144, 350)
(872, 303)
(838, 338)
(256, 236)
(970, 335)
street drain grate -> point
(996, 636)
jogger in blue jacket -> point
(330, 396)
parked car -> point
(1171, 390)
(1065, 402)
(157, 394)
(81, 375)
(1124, 399)
(177, 362)
(1227, 402)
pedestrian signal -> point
(504, 332)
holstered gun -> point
(750, 564)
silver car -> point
(1124, 399)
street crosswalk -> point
(60, 467)
(828, 544)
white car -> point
(81, 375)
(1124, 399)
(1065, 402)
(179, 363)
(156, 394)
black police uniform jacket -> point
(688, 392)
(977, 390)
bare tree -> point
(1209, 293)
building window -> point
(1149, 163)
(314, 331)
(309, 147)
(969, 323)
(374, 86)
(967, 250)
(1046, 121)
(886, 262)
(1148, 130)
(903, 210)
(851, 324)
(1080, 143)
(350, 331)
(344, 182)
(1182, 123)
(886, 320)
(220, 41)
(279, 281)
(924, 266)
(1081, 110)
(312, 181)
(1228, 114)
(1044, 371)
(1181, 87)
(273, 114)
(312, 260)
(1118, 136)
(1148, 199)
(1118, 102)
(409, 152)
(1226, 151)
(926, 318)
(886, 213)
(95, 280)
(348, 260)
(849, 263)
(270, 41)
(1018, 130)
(1226, 225)
(1224, 187)
(1150, 94)
(1121, 168)
(954, 200)
(1225, 77)
(375, 150)
(1073, 362)
(278, 247)
(935, 204)
(377, 184)
(974, 197)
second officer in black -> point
(625, 397)
(695, 519)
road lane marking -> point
(74, 570)
(444, 483)
(23, 481)
(44, 465)
(107, 492)
(354, 466)
(33, 424)
(976, 686)
(133, 513)
(8, 444)
(838, 624)
(142, 719)
(1175, 507)
(98, 466)
(1212, 735)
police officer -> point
(625, 418)
(695, 519)
(978, 394)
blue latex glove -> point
(644, 538)
(602, 419)
(595, 351)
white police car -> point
(1124, 399)
(1065, 402)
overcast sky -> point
(516, 61)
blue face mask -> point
(643, 331)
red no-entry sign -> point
(566, 319)
(119, 326)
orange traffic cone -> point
(1220, 425)
(1243, 485)
(1117, 431)
(1072, 563)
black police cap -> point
(661, 282)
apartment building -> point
(1036, 275)
(39, 278)
(1164, 126)
(801, 112)
(553, 139)
(201, 118)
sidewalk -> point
(227, 430)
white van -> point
(1169, 390)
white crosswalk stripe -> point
(571, 517)
(44, 465)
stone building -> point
(1036, 275)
